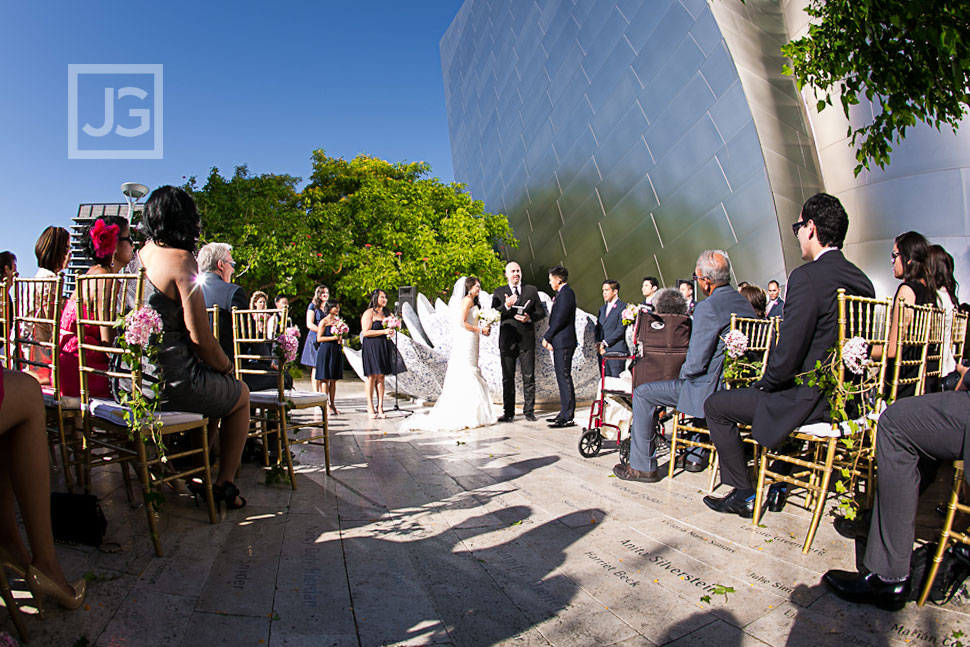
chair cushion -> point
(622, 384)
(300, 399)
(115, 413)
(67, 401)
(826, 430)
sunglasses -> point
(894, 256)
(695, 277)
(795, 226)
(124, 239)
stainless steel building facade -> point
(622, 137)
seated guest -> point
(700, 375)
(910, 258)
(282, 301)
(686, 287)
(53, 252)
(25, 480)
(9, 264)
(610, 331)
(663, 347)
(932, 426)
(258, 301)
(107, 242)
(941, 266)
(776, 305)
(742, 284)
(215, 269)
(648, 289)
(194, 373)
(756, 297)
(775, 406)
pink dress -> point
(70, 374)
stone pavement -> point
(498, 536)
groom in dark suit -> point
(520, 308)
(775, 406)
(560, 338)
(610, 331)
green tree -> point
(357, 225)
(382, 225)
(910, 58)
(261, 217)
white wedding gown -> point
(464, 402)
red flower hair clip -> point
(104, 238)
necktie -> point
(515, 289)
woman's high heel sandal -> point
(227, 492)
(40, 585)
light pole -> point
(133, 192)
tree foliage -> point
(357, 225)
(909, 58)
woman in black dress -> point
(909, 258)
(377, 351)
(330, 356)
(194, 373)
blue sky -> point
(244, 83)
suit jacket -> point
(562, 319)
(512, 332)
(809, 329)
(217, 292)
(610, 328)
(701, 372)
(777, 310)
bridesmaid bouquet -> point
(392, 322)
(629, 314)
(489, 317)
(340, 328)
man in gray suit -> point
(700, 375)
(215, 270)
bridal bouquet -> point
(392, 322)
(489, 317)
(629, 314)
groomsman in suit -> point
(520, 308)
(775, 405)
(775, 303)
(686, 287)
(648, 289)
(610, 331)
(560, 338)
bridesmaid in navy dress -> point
(377, 351)
(330, 356)
(314, 313)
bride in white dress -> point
(465, 401)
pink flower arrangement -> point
(855, 355)
(736, 344)
(140, 325)
(629, 314)
(288, 343)
(392, 322)
(340, 327)
(293, 330)
(104, 238)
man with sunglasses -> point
(700, 374)
(775, 406)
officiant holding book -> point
(520, 308)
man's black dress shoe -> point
(694, 467)
(733, 503)
(559, 424)
(627, 473)
(776, 498)
(506, 418)
(531, 417)
(553, 419)
(868, 588)
(857, 528)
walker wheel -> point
(590, 443)
(625, 451)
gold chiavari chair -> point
(37, 304)
(6, 324)
(958, 333)
(762, 335)
(254, 355)
(936, 346)
(818, 444)
(912, 349)
(214, 320)
(105, 421)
